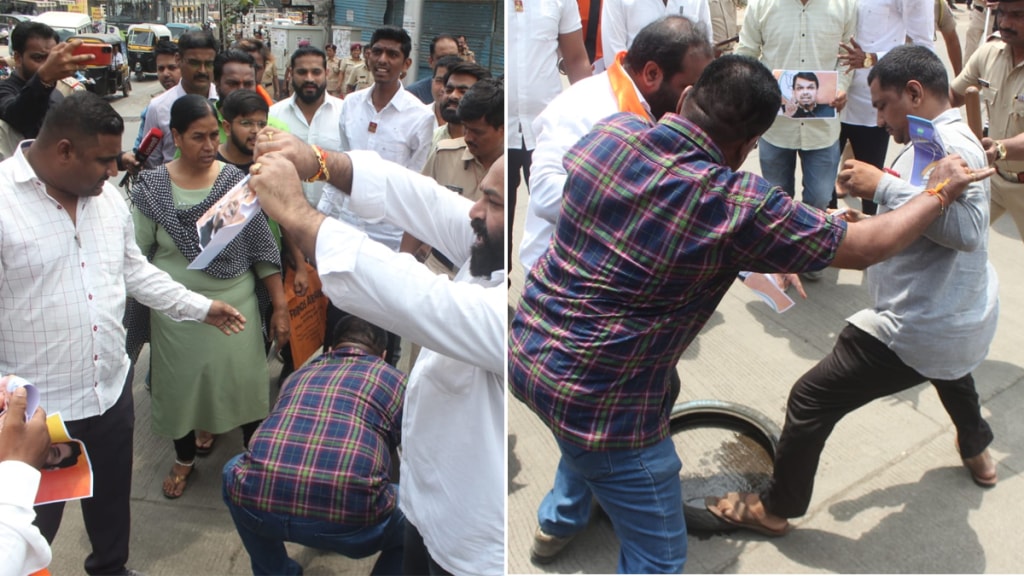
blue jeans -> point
(264, 535)
(640, 491)
(820, 167)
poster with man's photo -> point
(807, 94)
(67, 473)
(219, 225)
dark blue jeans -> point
(264, 535)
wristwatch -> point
(869, 60)
(1000, 150)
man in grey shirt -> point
(934, 313)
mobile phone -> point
(104, 53)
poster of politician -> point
(807, 94)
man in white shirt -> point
(310, 113)
(538, 32)
(384, 118)
(198, 50)
(69, 260)
(460, 164)
(23, 449)
(801, 35)
(668, 55)
(314, 117)
(881, 26)
(622, 20)
(453, 430)
(391, 121)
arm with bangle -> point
(952, 211)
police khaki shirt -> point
(454, 167)
(1001, 82)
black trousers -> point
(108, 438)
(859, 369)
(416, 560)
(515, 160)
(869, 143)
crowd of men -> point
(337, 167)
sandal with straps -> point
(175, 484)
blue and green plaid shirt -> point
(324, 451)
(653, 230)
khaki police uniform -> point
(723, 21)
(454, 167)
(1002, 95)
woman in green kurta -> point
(202, 379)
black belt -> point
(979, 7)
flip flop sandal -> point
(741, 506)
(204, 450)
(178, 480)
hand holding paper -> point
(23, 438)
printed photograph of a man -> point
(63, 455)
(807, 94)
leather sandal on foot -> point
(739, 514)
(982, 469)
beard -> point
(663, 101)
(241, 144)
(450, 114)
(300, 91)
(488, 255)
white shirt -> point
(453, 429)
(532, 61)
(881, 26)
(790, 35)
(63, 289)
(324, 131)
(622, 20)
(401, 132)
(568, 118)
(22, 546)
(159, 116)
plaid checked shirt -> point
(324, 451)
(653, 230)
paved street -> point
(891, 495)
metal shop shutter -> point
(367, 15)
(482, 22)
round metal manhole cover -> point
(724, 447)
